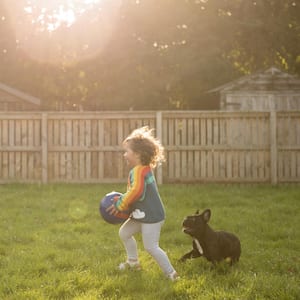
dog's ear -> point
(206, 215)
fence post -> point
(44, 142)
(159, 173)
(273, 146)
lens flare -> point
(63, 31)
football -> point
(106, 202)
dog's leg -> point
(187, 256)
(234, 260)
(192, 254)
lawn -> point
(54, 244)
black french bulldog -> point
(215, 246)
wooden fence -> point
(201, 146)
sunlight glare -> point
(52, 15)
(63, 30)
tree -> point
(160, 55)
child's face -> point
(132, 158)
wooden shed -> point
(271, 89)
(12, 99)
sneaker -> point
(130, 265)
(173, 276)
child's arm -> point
(136, 189)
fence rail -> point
(201, 146)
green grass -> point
(54, 244)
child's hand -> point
(112, 210)
(116, 198)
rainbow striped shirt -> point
(142, 194)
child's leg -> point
(126, 232)
(151, 234)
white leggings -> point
(150, 236)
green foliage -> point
(160, 55)
(54, 244)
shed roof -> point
(271, 79)
(19, 94)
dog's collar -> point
(198, 246)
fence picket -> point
(200, 146)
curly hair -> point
(143, 142)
